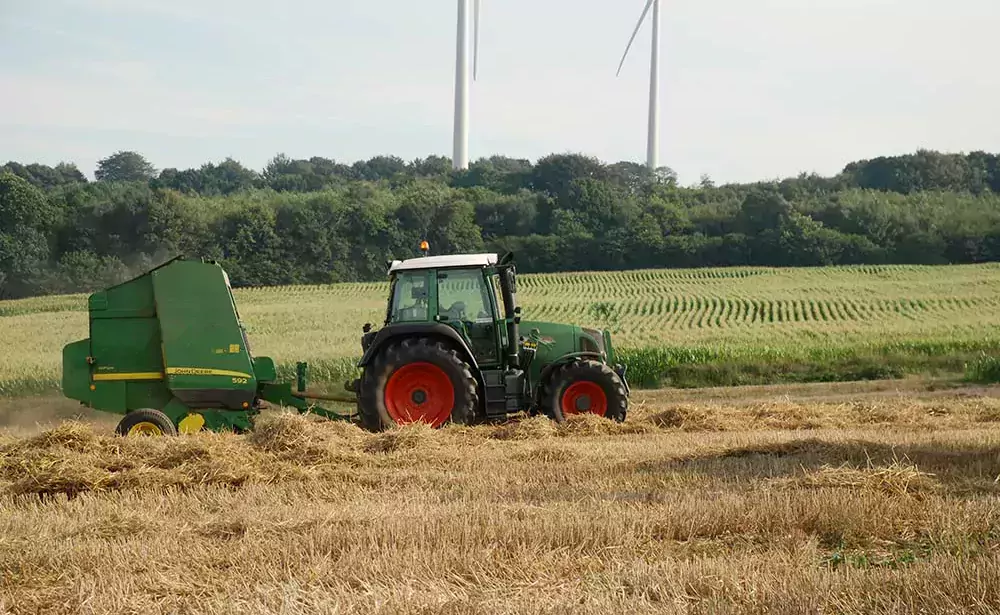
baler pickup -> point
(168, 350)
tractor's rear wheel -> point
(417, 380)
(146, 422)
(583, 387)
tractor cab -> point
(465, 292)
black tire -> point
(585, 371)
(372, 406)
(144, 419)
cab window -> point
(498, 296)
(410, 297)
(463, 295)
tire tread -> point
(371, 403)
(586, 369)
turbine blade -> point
(475, 53)
(634, 33)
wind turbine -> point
(460, 159)
(653, 139)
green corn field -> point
(674, 327)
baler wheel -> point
(146, 422)
(417, 380)
(584, 387)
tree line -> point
(319, 221)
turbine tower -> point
(460, 159)
(653, 138)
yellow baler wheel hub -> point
(145, 428)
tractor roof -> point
(444, 261)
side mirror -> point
(367, 327)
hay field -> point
(749, 502)
(680, 327)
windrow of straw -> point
(74, 458)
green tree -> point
(497, 173)
(556, 174)
(432, 166)
(380, 167)
(318, 220)
(124, 166)
(602, 205)
(251, 248)
(645, 242)
(77, 272)
(763, 210)
(630, 175)
(315, 249)
(671, 217)
(499, 215)
(27, 219)
(286, 175)
(46, 177)
(210, 179)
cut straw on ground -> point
(879, 505)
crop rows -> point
(740, 314)
(699, 312)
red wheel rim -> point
(419, 392)
(583, 397)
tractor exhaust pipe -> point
(508, 288)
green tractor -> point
(453, 348)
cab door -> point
(464, 303)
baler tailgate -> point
(205, 359)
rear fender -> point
(392, 333)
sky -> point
(750, 89)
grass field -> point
(842, 500)
(678, 327)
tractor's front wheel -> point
(583, 387)
(146, 422)
(417, 380)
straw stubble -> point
(703, 507)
